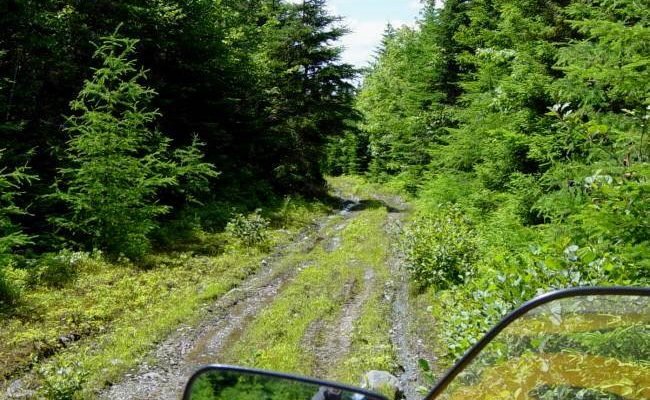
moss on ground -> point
(106, 319)
(276, 339)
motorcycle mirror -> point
(581, 343)
(220, 382)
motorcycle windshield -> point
(591, 348)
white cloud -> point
(365, 33)
(363, 40)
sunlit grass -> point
(276, 340)
(110, 316)
(360, 187)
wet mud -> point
(223, 322)
(190, 347)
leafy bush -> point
(440, 248)
(248, 230)
(544, 150)
(62, 380)
(464, 316)
(57, 269)
(12, 282)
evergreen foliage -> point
(117, 163)
(398, 104)
(309, 94)
(12, 180)
(529, 120)
(254, 89)
(11, 234)
(521, 127)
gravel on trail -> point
(183, 352)
(189, 347)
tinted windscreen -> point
(595, 347)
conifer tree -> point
(11, 179)
(400, 102)
(11, 235)
(309, 91)
(118, 163)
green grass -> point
(276, 339)
(371, 343)
(359, 186)
(118, 312)
(115, 313)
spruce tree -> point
(11, 179)
(401, 104)
(11, 236)
(309, 91)
(11, 233)
(118, 163)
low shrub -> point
(58, 269)
(62, 380)
(296, 211)
(440, 248)
(250, 230)
(12, 283)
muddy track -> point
(404, 335)
(176, 358)
(330, 342)
(409, 349)
(405, 346)
(179, 355)
(223, 322)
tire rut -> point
(330, 343)
(190, 347)
(409, 348)
(177, 357)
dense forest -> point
(121, 116)
(153, 153)
(521, 127)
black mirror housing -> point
(223, 382)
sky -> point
(367, 20)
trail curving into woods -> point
(333, 339)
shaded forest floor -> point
(329, 298)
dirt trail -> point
(408, 347)
(175, 359)
(227, 319)
(331, 342)
(404, 335)
(178, 356)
